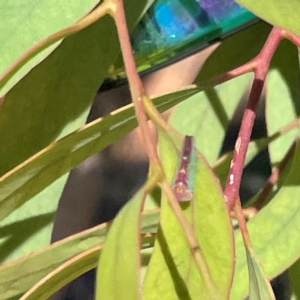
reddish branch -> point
(260, 66)
(273, 179)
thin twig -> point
(242, 223)
(136, 87)
(273, 179)
(261, 63)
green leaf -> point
(276, 12)
(38, 172)
(207, 115)
(222, 165)
(55, 97)
(234, 51)
(118, 271)
(172, 271)
(274, 232)
(18, 276)
(24, 24)
(294, 275)
(260, 287)
(57, 105)
(283, 95)
(50, 102)
(67, 272)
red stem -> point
(261, 65)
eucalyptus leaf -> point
(52, 101)
(23, 24)
(260, 287)
(276, 12)
(274, 232)
(19, 275)
(207, 115)
(172, 271)
(234, 51)
(120, 255)
(282, 98)
(38, 172)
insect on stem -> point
(181, 185)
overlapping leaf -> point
(18, 276)
(51, 101)
(282, 98)
(23, 24)
(38, 172)
(172, 271)
(234, 51)
(260, 287)
(277, 12)
(274, 232)
(207, 115)
(118, 275)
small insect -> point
(182, 181)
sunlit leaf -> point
(260, 287)
(120, 255)
(274, 233)
(38, 19)
(66, 272)
(172, 271)
(277, 12)
(42, 169)
(51, 101)
(207, 115)
(282, 98)
(18, 276)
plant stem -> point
(140, 99)
(136, 87)
(242, 223)
(261, 65)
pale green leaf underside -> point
(276, 12)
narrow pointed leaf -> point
(35, 174)
(208, 114)
(276, 12)
(234, 51)
(52, 100)
(172, 271)
(282, 95)
(18, 33)
(260, 287)
(18, 276)
(118, 273)
(67, 272)
(274, 232)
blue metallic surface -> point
(173, 26)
